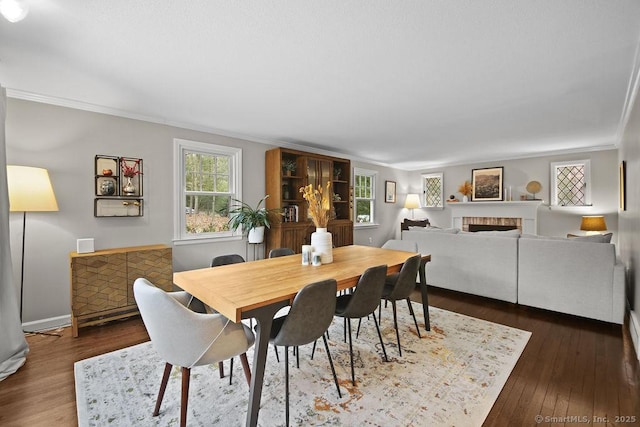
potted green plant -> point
(289, 166)
(252, 220)
(337, 171)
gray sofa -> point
(570, 276)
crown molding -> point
(85, 106)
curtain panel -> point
(13, 346)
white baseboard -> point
(47, 324)
(634, 331)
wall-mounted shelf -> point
(118, 187)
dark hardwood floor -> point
(572, 370)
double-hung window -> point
(364, 195)
(207, 180)
(571, 183)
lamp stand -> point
(24, 232)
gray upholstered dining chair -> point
(185, 338)
(277, 252)
(308, 319)
(215, 262)
(226, 259)
(399, 286)
(361, 303)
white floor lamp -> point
(30, 190)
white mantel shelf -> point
(525, 209)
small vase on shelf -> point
(465, 198)
(129, 189)
(322, 242)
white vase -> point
(322, 242)
(256, 235)
(465, 199)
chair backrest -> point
(401, 245)
(406, 282)
(366, 297)
(226, 259)
(310, 315)
(273, 253)
(183, 337)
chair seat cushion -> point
(341, 304)
(391, 279)
(276, 326)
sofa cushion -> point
(594, 238)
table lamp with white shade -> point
(412, 202)
(30, 190)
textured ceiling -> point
(410, 84)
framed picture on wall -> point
(389, 191)
(623, 185)
(487, 184)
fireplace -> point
(471, 223)
(483, 227)
(521, 215)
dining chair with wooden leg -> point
(186, 339)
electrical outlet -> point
(370, 241)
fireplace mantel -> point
(527, 210)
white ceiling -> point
(407, 83)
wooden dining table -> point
(258, 289)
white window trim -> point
(180, 237)
(424, 190)
(374, 175)
(554, 184)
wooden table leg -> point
(425, 295)
(264, 319)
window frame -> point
(586, 163)
(373, 174)
(180, 146)
(426, 176)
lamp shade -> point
(412, 202)
(30, 190)
(593, 223)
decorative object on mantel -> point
(452, 199)
(412, 202)
(319, 210)
(465, 189)
(487, 184)
(534, 187)
(593, 224)
(252, 220)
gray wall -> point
(65, 141)
(517, 173)
(629, 241)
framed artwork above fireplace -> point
(487, 184)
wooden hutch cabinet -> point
(288, 170)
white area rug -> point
(450, 377)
